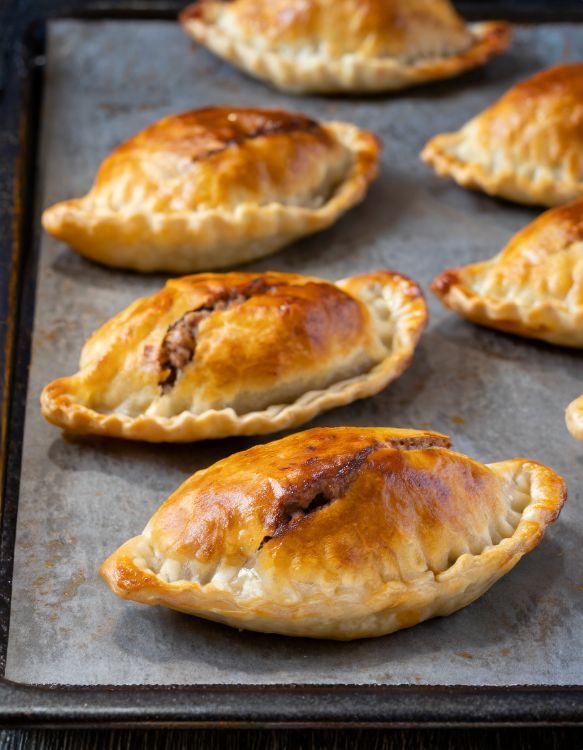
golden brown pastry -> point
(239, 354)
(574, 418)
(533, 287)
(527, 147)
(344, 45)
(216, 187)
(340, 533)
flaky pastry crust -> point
(216, 187)
(338, 533)
(215, 355)
(527, 147)
(574, 418)
(344, 45)
(533, 287)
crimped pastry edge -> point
(511, 184)
(398, 605)
(353, 73)
(392, 290)
(192, 241)
(546, 321)
(574, 418)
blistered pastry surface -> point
(533, 287)
(526, 146)
(346, 533)
(215, 187)
(345, 45)
(216, 355)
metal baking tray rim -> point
(179, 705)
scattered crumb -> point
(76, 580)
(456, 419)
(464, 654)
(60, 543)
(52, 561)
(505, 652)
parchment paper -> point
(497, 396)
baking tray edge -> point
(204, 706)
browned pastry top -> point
(550, 101)
(332, 499)
(338, 532)
(367, 27)
(533, 287)
(221, 157)
(240, 340)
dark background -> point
(296, 739)
(15, 17)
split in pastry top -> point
(527, 147)
(339, 533)
(239, 353)
(344, 45)
(534, 287)
(216, 186)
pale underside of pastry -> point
(533, 287)
(527, 147)
(574, 418)
(216, 187)
(239, 354)
(338, 533)
(344, 45)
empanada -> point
(527, 147)
(216, 187)
(239, 354)
(344, 45)
(574, 418)
(339, 533)
(533, 287)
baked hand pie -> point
(574, 418)
(216, 187)
(339, 533)
(527, 147)
(533, 287)
(344, 45)
(239, 354)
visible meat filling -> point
(179, 345)
(419, 443)
(325, 489)
(294, 512)
(318, 493)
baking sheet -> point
(497, 396)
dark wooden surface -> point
(403, 739)
(516, 739)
